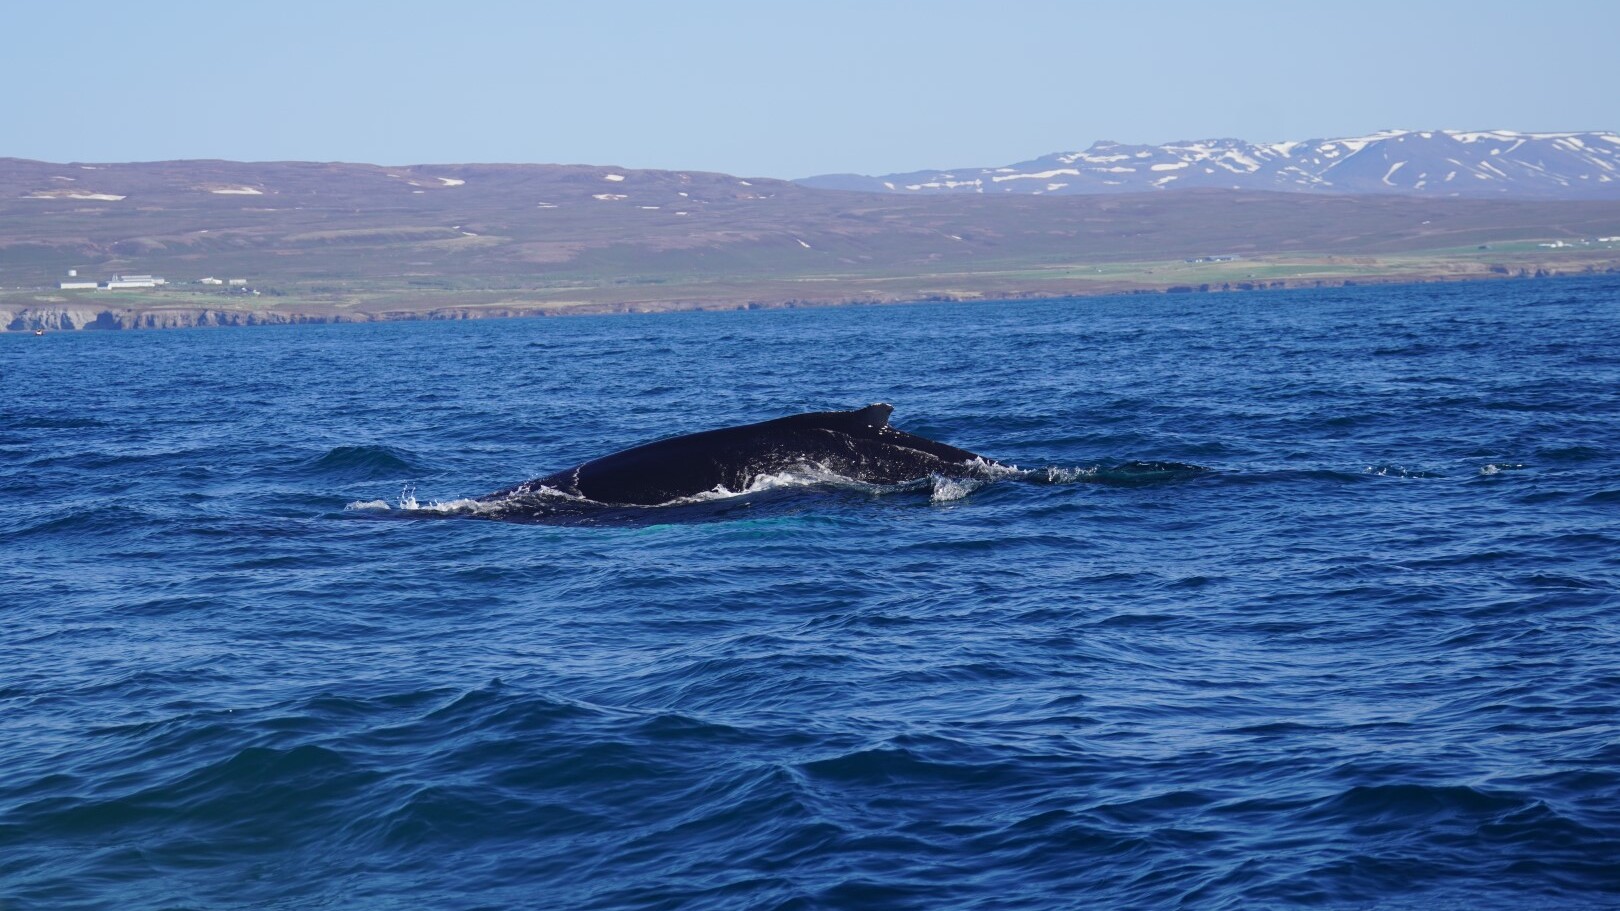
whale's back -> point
(858, 444)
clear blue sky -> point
(776, 89)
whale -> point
(858, 445)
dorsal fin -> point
(875, 414)
(871, 418)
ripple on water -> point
(1301, 604)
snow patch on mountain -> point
(1497, 162)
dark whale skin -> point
(858, 444)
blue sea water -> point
(1360, 650)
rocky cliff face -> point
(53, 319)
(61, 319)
(68, 319)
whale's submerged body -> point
(857, 445)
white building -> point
(128, 282)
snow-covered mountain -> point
(1492, 163)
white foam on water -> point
(461, 507)
(521, 494)
(941, 488)
(369, 505)
(1402, 471)
(1127, 472)
(408, 503)
(806, 475)
(947, 490)
(1061, 475)
(995, 471)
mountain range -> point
(1441, 163)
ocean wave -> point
(363, 463)
(51, 422)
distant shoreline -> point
(321, 243)
(93, 315)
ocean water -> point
(1308, 599)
